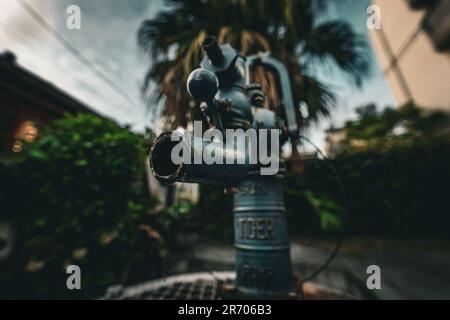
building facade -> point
(413, 48)
(27, 102)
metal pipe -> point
(189, 170)
(213, 50)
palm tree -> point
(288, 28)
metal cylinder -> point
(263, 263)
(213, 50)
(197, 170)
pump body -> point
(230, 101)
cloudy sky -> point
(108, 39)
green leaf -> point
(81, 162)
(38, 154)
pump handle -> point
(265, 59)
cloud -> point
(107, 39)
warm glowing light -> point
(17, 146)
(27, 131)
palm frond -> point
(338, 41)
(172, 40)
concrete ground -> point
(421, 272)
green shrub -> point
(401, 192)
(214, 213)
(77, 196)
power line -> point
(397, 70)
(405, 46)
(75, 52)
(23, 41)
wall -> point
(425, 72)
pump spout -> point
(197, 166)
(213, 50)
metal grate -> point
(196, 286)
(198, 290)
(205, 286)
